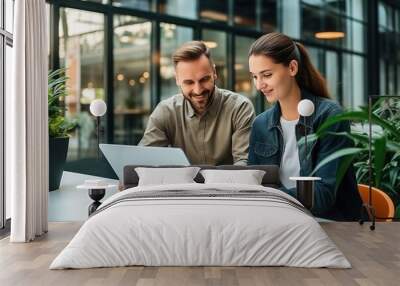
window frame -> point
(6, 40)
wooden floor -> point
(374, 255)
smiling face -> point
(197, 81)
(274, 80)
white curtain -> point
(26, 123)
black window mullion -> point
(231, 12)
(231, 46)
(2, 125)
(259, 15)
(54, 36)
(109, 74)
(339, 91)
(231, 60)
(373, 48)
(155, 79)
(197, 33)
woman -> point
(283, 72)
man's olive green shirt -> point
(220, 136)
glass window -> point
(131, 78)
(214, 10)
(398, 21)
(316, 21)
(82, 53)
(98, 1)
(180, 8)
(313, 23)
(382, 77)
(358, 9)
(397, 51)
(356, 36)
(332, 73)
(398, 79)
(216, 42)
(8, 70)
(243, 82)
(338, 5)
(382, 41)
(289, 18)
(385, 16)
(314, 2)
(269, 15)
(353, 81)
(9, 15)
(245, 13)
(172, 37)
(391, 78)
(317, 58)
(146, 5)
(359, 86)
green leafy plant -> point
(385, 146)
(59, 125)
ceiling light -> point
(329, 35)
(210, 44)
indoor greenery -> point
(385, 145)
(59, 125)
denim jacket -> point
(267, 147)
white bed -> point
(185, 230)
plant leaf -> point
(342, 169)
(336, 155)
(379, 158)
(359, 116)
(397, 213)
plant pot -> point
(58, 148)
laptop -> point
(121, 155)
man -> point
(211, 125)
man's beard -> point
(207, 94)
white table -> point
(71, 204)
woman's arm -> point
(325, 190)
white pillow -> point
(248, 177)
(165, 176)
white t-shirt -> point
(290, 165)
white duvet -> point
(200, 231)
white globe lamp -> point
(98, 108)
(305, 107)
(305, 185)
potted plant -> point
(59, 127)
(385, 146)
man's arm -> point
(243, 119)
(156, 131)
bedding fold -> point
(201, 225)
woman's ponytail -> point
(308, 77)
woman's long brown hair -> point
(282, 50)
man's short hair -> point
(191, 51)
